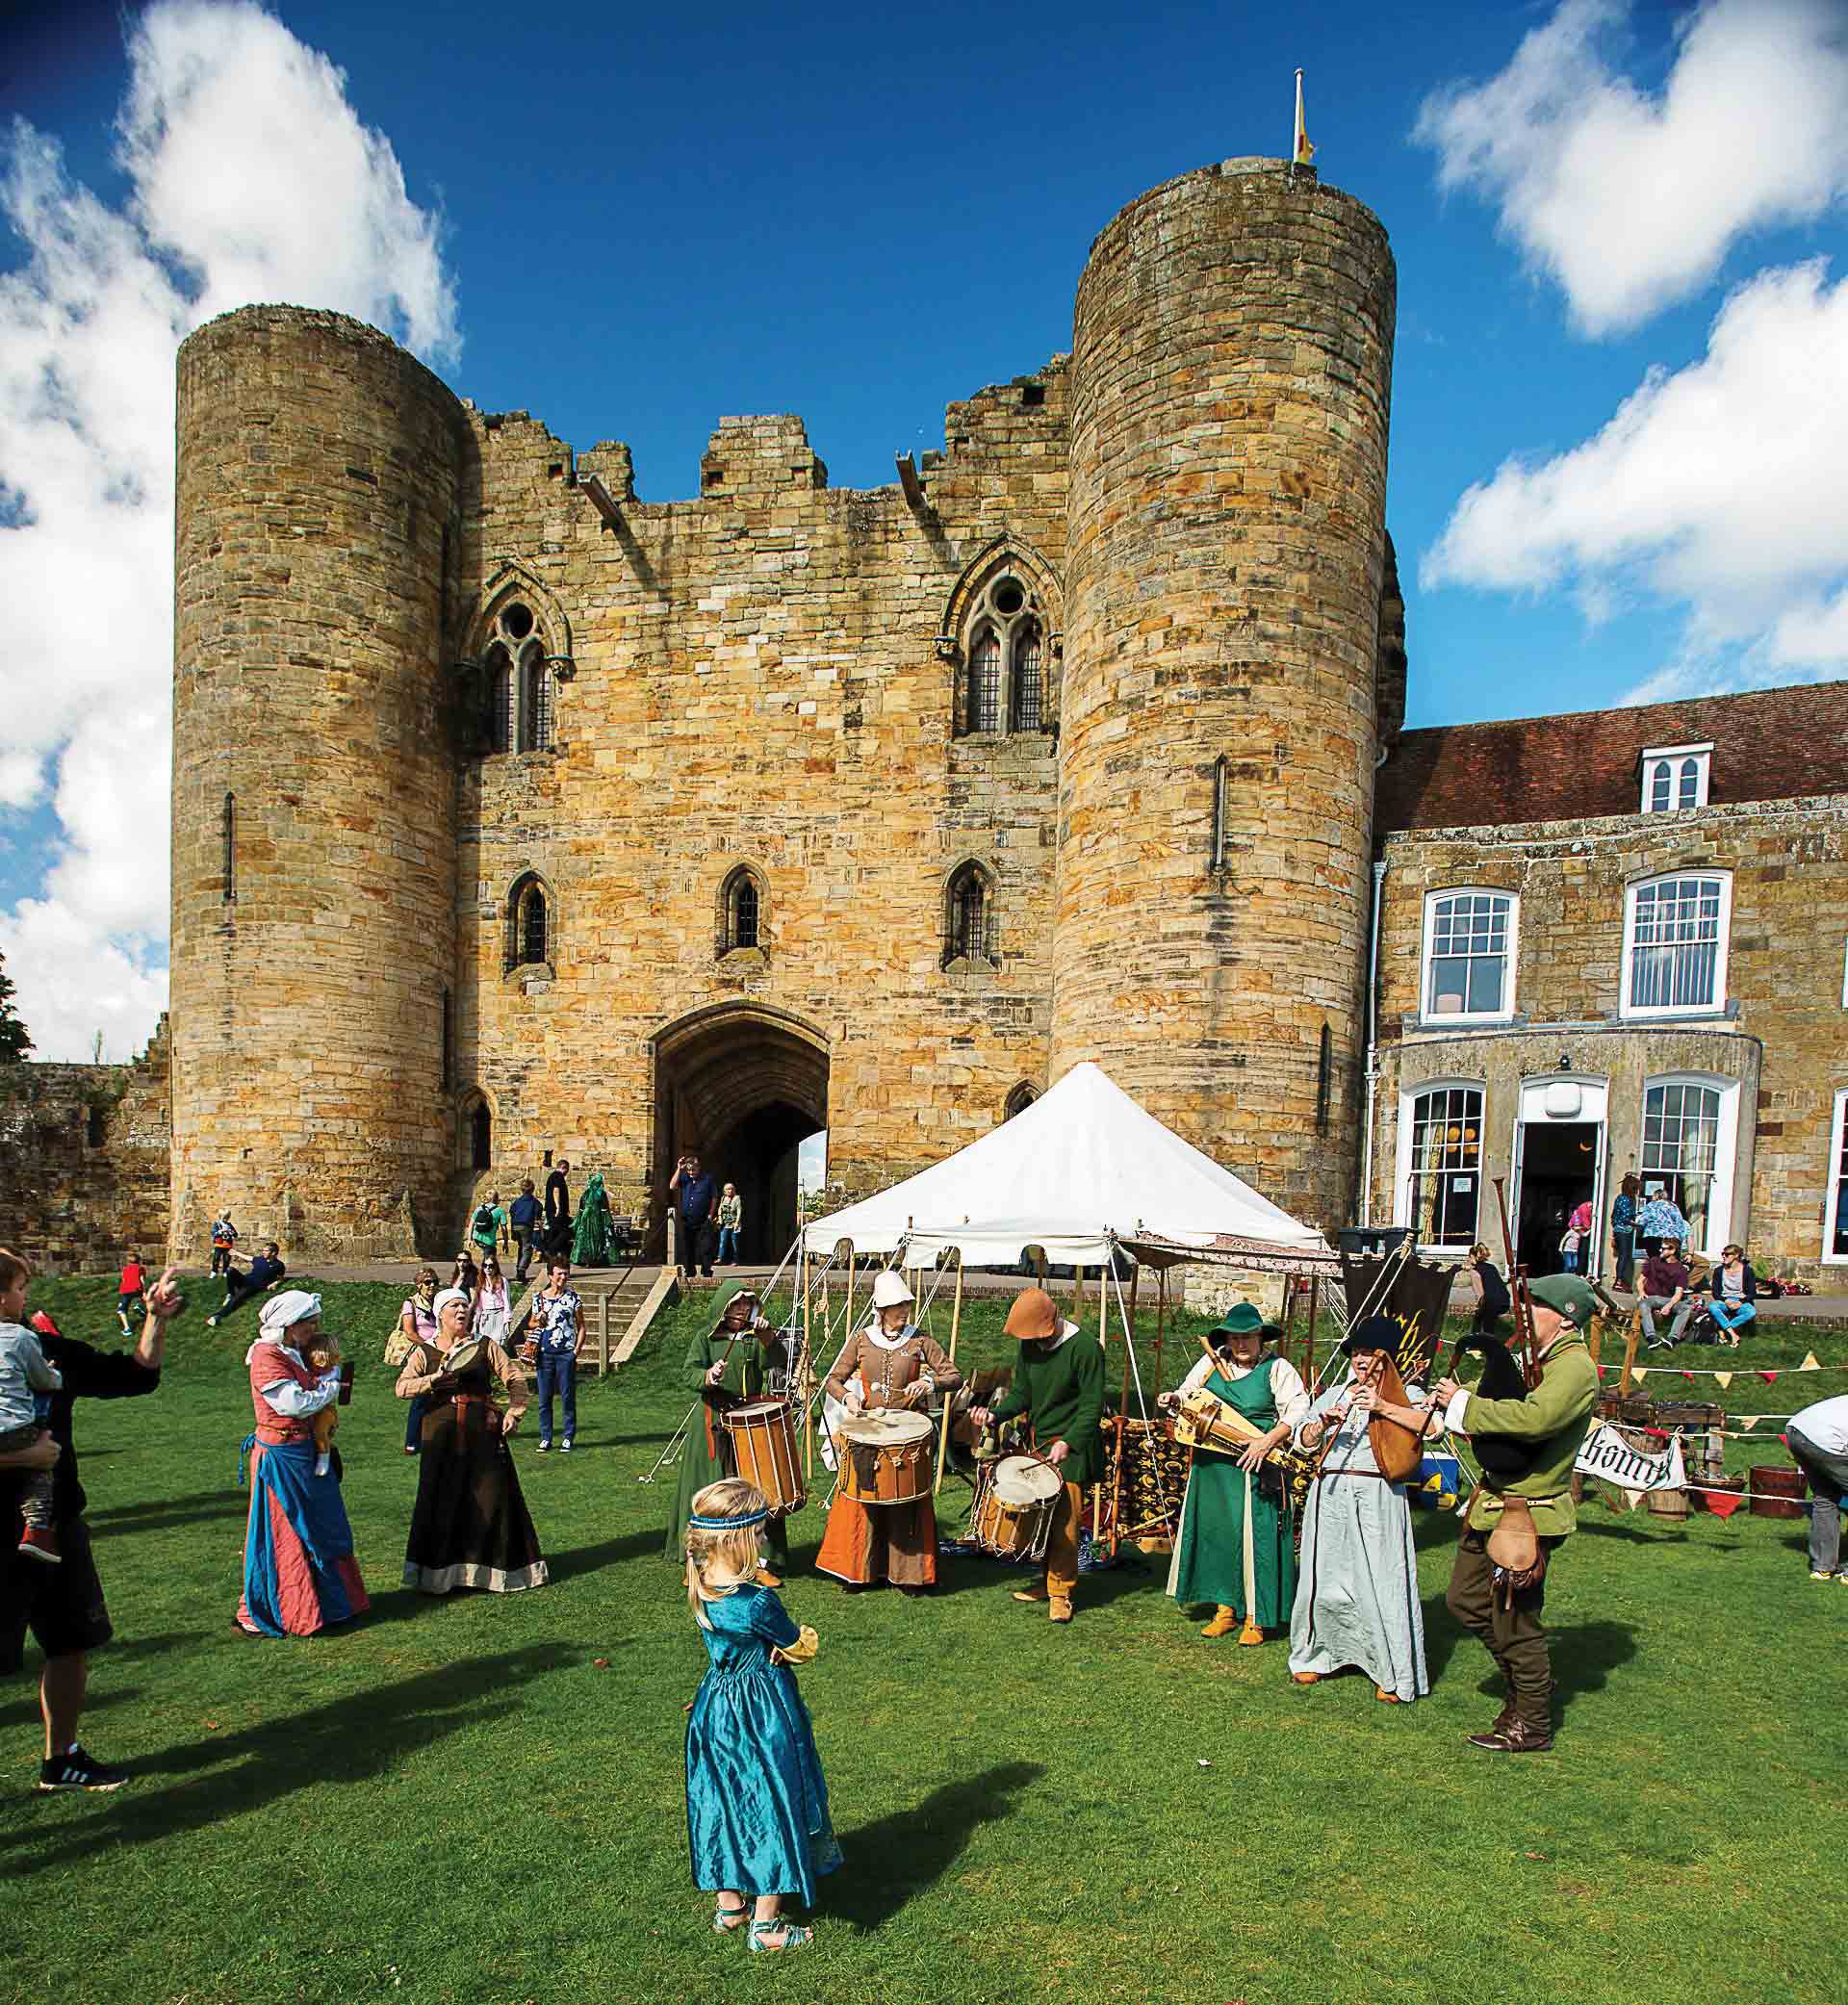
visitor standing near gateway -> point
(62, 1605)
(1498, 1596)
(522, 1220)
(695, 1193)
(1059, 1386)
(555, 1326)
(558, 1209)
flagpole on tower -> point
(1302, 151)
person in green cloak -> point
(727, 1366)
(593, 1243)
(1235, 1548)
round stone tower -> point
(320, 474)
(1231, 371)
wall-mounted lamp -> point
(1565, 1061)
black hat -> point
(1377, 1333)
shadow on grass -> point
(164, 1513)
(914, 1848)
(350, 1741)
(25, 1712)
(1584, 1656)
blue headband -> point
(755, 1517)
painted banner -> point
(1608, 1456)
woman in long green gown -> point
(723, 1372)
(1235, 1549)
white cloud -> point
(1631, 199)
(1715, 488)
(1716, 483)
(251, 179)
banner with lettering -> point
(1609, 1458)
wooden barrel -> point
(1777, 1491)
(1667, 1503)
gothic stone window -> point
(517, 684)
(530, 940)
(968, 916)
(1019, 1099)
(1006, 659)
(741, 911)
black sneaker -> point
(78, 1770)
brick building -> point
(1618, 942)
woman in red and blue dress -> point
(299, 1574)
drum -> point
(886, 1456)
(1016, 1497)
(764, 1449)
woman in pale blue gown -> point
(756, 1803)
(1357, 1581)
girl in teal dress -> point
(757, 1804)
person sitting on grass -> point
(756, 1801)
(1736, 1290)
(265, 1275)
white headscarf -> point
(445, 1296)
(280, 1314)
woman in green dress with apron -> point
(1235, 1548)
(727, 1366)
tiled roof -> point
(1768, 745)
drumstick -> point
(943, 1437)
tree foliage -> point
(16, 1040)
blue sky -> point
(630, 222)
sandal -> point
(793, 1937)
(725, 1920)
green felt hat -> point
(1569, 1295)
(1241, 1320)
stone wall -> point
(772, 676)
(322, 477)
(1229, 604)
(84, 1164)
(1783, 1032)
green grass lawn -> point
(459, 1802)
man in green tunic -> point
(1235, 1548)
(726, 1367)
(1550, 1422)
(1059, 1385)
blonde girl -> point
(756, 1803)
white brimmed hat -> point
(889, 1290)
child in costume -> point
(26, 1383)
(757, 1804)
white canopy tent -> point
(1082, 1171)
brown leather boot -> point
(1517, 1737)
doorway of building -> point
(1559, 1164)
(742, 1086)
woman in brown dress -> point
(470, 1528)
(890, 1363)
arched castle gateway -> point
(514, 812)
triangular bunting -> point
(1811, 1362)
(1641, 1373)
(1723, 1379)
(1690, 1376)
(1602, 1370)
(1748, 1420)
(1769, 1378)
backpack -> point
(484, 1219)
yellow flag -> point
(1724, 1379)
(1639, 1372)
(1811, 1362)
(1303, 151)
(1748, 1420)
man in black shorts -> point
(62, 1605)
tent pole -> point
(1309, 1342)
(1122, 1428)
(807, 1351)
(956, 1323)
